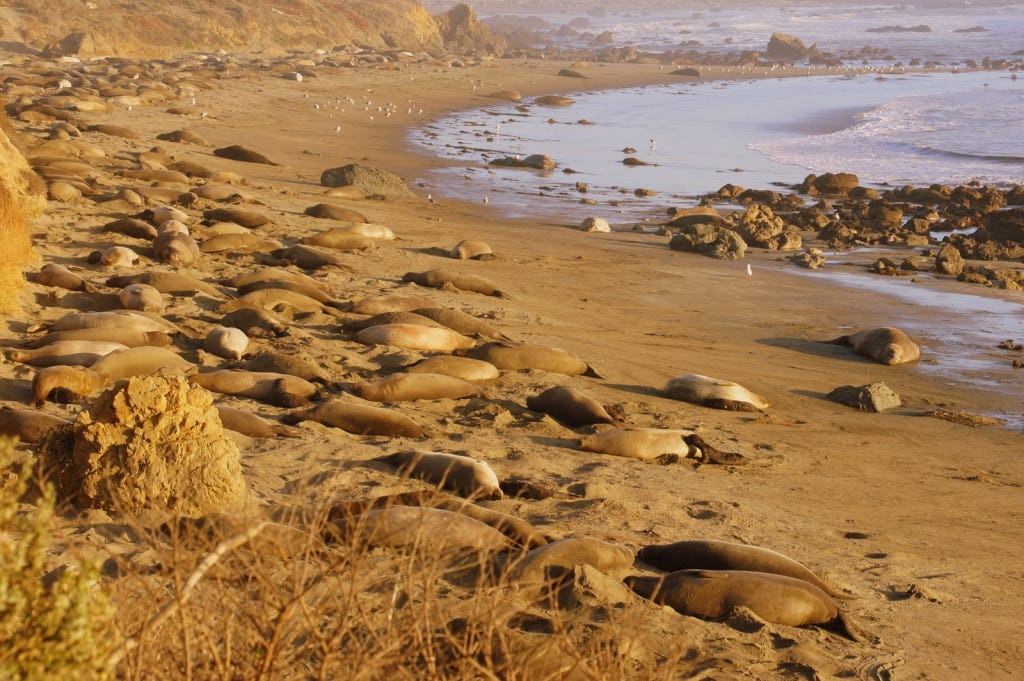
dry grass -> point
(16, 251)
(274, 601)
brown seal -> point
(331, 212)
(713, 392)
(310, 291)
(141, 297)
(720, 555)
(130, 337)
(281, 390)
(270, 274)
(653, 443)
(256, 323)
(115, 256)
(28, 425)
(713, 594)
(466, 368)
(246, 218)
(472, 249)
(359, 419)
(175, 248)
(173, 283)
(404, 387)
(79, 352)
(271, 298)
(66, 384)
(568, 553)
(516, 356)
(883, 344)
(416, 527)
(285, 363)
(393, 302)
(239, 153)
(340, 240)
(310, 257)
(226, 341)
(464, 475)
(360, 323)
(141, 361)
(457, 320)
(251, 425)
(112, 319)
(447, 279)
(52, 274)
(239, 243)
(415, 337)
(133, 227)
(570, 407)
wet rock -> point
(695, 216)
(949, 260)
(874, 397)
(783, 46)
(536, 161)
(812, 259)
(710, 240)
(593, 224)
(833, 183)
(148, 444)
(373, 181)
(760, 226)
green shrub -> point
(54, 628)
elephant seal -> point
(270, 274)
(256, 323)
(310, 257)
(175, 248)
(367, 229)
(286, 363)
(141, 361)
(396, 302)
(28, 425)
(246, 218)
(358, 324)
(172, 283)
(713, 594)
(883, 344)
(651, 443)
(158, 215)
(129, 337)
(239, 243)
(446, 279)
(568, 553)
(359, 419)
(457, 320)
(133, 227)
(66, 384)
(516, 356)
(115, 256)
(113, 319)
(272, 298)
(466, 368)
(721, 555)
(470, 249)
(417, 527)
(227, 342)
(404, 387)
(713, 392)
(340, 240)
(141, 297)
(570, 407)
(280, 390)
(251, 425)
(52, 274)
(331, 212)
(236, 152)
(81, 353)
(315, 292)
(463, 475)
(415, 337)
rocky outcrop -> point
(22, 195)
(760, 226)
(782, 46)
(148, 444)
(463, 33)
(148, 28)
(374, 181)
(710, 240)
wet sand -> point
(920, 517)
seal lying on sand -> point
(568, 553)
(652, 443)
(570, 407)
(66, 384)
(463, 475)
(359, 419)
(405, 387)
(713, 392)
(721, 555)
(714, 594)
(281, 390)
(441, 278)
(883, 344)
(515, 356)
(28, 425)
(415, 337)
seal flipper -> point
(711, 455)
(728, 405)
(842, 340)
(844, 625)
(592, 372)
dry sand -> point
(922, 518)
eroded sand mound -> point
(149, 443)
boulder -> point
(1006, 225)
(373, 181)
(835, 183)
(537, 161)
(782, 46)
(592, 224)
(949, 260)
(874, 397)
(760, 226)
(463, 33)
(150, 443)
(812, 259)
(695, 216)
(711, 240)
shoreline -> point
(875, 502)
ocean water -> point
(887, 126)
(896, 129)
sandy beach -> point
(921, 518)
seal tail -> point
(711, 455)
(845, 625)
(592, 372)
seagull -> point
(430, 199)
(750, 271)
